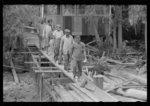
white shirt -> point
(47, 30)
(67, 45)
(58, 34)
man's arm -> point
(84, 51)
(72, 49)
(61, 44)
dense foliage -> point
(14, 18)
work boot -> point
(76, 79)
(60, 63)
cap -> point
(77, 36)
(67, 30)
(58, 25)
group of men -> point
(66, 48)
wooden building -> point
(73, 18)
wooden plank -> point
(92, 48)
(119, 85)
(139, 94)
(66, 92)
(26, 52)
(70, 75)
(91, 42)
(81, 94)
(51, 91)
(118, 62)
(94, 98)
(14, 72)
(46, 68)
(75, 95)
(101, 94)
(129, 75)
(63, 94)
(48, 71)
(49, 79)
(15, 67)
(124, 99)
(104, 96)
(30, 62)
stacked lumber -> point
(134, 93)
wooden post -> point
(14, 73)
(99, 81)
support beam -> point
(81, 94)
(30, 62)
(46, 68)
(48, 71)
(15, 68)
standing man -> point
(40, 30)
(65, 48)
(57, 34)
(78, 55)
(47, 34)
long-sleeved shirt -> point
(67, 44)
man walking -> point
(57, 34)
(47, 34)
(66, 46)
(78, 55)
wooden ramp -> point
(96, 95)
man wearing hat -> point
(47, 33)
(57, 34)
(40, 29)
(66, 46)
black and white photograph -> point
(74, 53)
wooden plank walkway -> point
(101, 95)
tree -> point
(114, 30)
(136, 13)
(120, 27)
(90, 12)
(14, 18)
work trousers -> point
(67, 59)
(77, 67)
(56, 49)
(45, 43)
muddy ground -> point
(25, 91)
